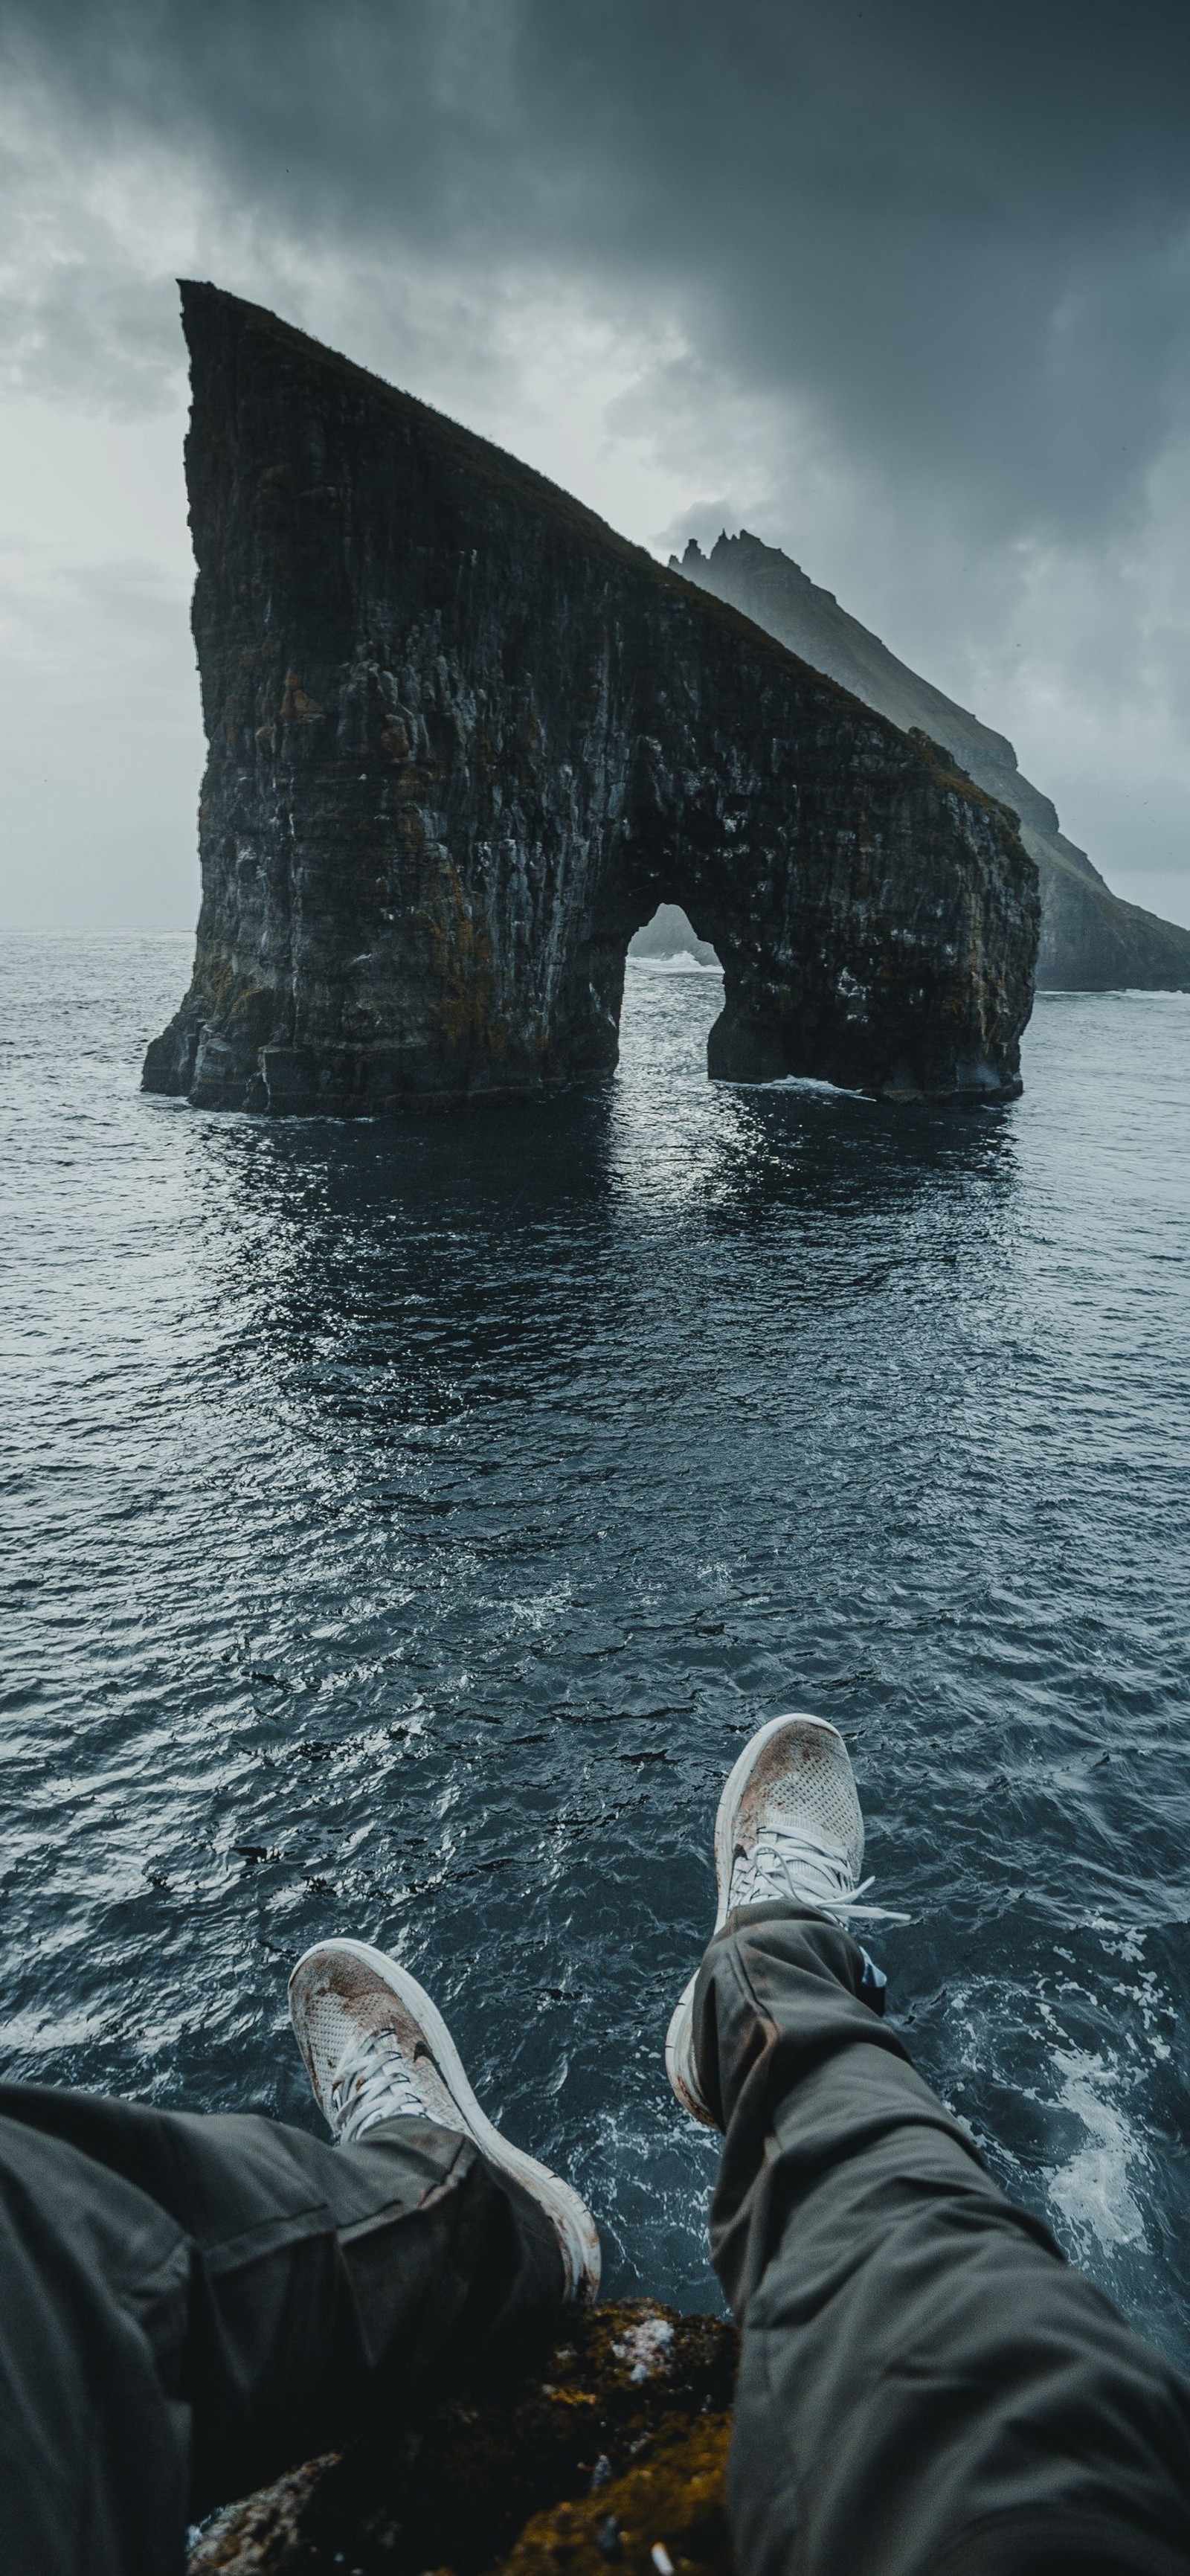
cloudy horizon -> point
(903, 295)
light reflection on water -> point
(413, 1520)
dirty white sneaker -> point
(789, 1827)
(376, 2048)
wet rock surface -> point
(463, 740)
(1091, 941)
(615, 2450)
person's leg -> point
(925, 2385)
(189, 2304)
(276, 2283)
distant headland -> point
(1090, 940)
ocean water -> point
(408, 1524)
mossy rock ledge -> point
(612, 2454)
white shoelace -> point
(372, 2082)
(785, 1865)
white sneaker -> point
(789, 1827)
(376, 2048)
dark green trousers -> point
(190, 2304)
(926, 2388)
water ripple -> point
(411, 1522)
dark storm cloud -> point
(962, 236)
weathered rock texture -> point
(1090, 940)
(617, 2447)
(463, 739)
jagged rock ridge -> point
(1090, 939)
(463, 740)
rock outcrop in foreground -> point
(614, 2454)
(1091, 941)
(464, 739)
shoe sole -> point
(570, 2216)
(679, 2039)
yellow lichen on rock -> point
(462, 951)
(614, 2448)
(671, 2506)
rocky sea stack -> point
(463, 740)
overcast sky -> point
(903, 287)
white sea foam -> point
(795, 1082)
(1093, 2189)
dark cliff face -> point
(464, 739)
(1091, 941)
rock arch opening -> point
(673, 995)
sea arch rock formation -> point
(463, 739)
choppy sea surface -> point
(408, 1523)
